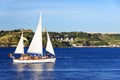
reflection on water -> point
(20, 67)
(71, 64)
(35, 71)
(49, 66)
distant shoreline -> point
(62, 39)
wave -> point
(64, 57)
(60, 70)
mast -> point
(49, 46)
(36, 43)
(20, 47)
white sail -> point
(20, 46)
(36, 43)
(49, 46)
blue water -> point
(71, 64)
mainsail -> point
(20, 46)
(36, 43)
(49, 46)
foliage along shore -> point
(62, 39)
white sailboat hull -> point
(34, 61)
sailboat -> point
(35, 48)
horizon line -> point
(92, 32)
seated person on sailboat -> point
(48, 55)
